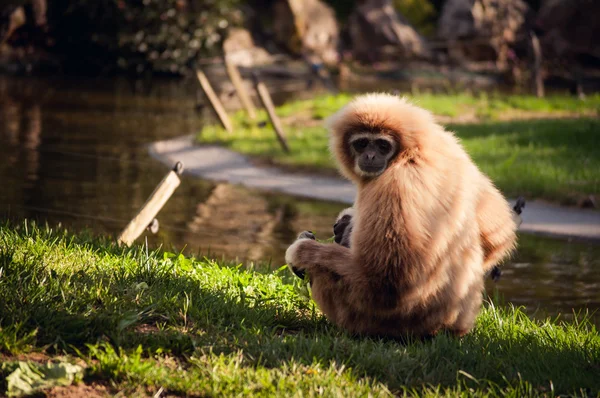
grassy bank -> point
(140, 321)
(527, 145)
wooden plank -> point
(150, 209)
(240, 88)
(214, 101)
(265, 98)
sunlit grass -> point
(149, 320)
(556, 159)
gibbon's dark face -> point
(372, 153)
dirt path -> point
(221, 164)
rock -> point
(379, 32)
(482, 30)
(239, 47)
(308, 28)
(40, 9)
(13, 16)
(11, 19)
(569, 27)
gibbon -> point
(426, 226)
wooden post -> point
(537, 65)
(214, 101)
(578, 77)
(267, 102)
(238, 83)
(145, 216)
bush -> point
(140, 35)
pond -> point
(74, 153)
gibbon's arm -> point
(307, 254)
(496, 226)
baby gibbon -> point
(426, 226)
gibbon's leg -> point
(496, 226)
(328, 292)
(470, 308)
(336, 288)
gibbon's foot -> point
(289, 254)
(459, 332)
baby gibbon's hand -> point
(343, 227)
(291, 252)
(306, 235)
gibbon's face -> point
(374, 131)
(371, 153)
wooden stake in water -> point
(240, 88)
(145, 216)
(267, 102)
(214, 101)
(538, 80)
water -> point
(73, 152)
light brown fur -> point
(425, 231)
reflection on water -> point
(550, 276)
(73, 152)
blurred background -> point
(168, 37)
(87, 85)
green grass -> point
(144, 320)
(555, 159)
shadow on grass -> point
(176, 306)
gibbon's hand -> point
(306, 235)
(517, 210)
(289, 254)
(342, 229)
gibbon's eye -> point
(360, 144)
(384, 146)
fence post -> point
(214, 100)
(238, 83)
(267, 102)
(145, 216)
